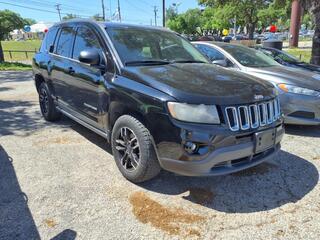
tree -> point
(70, 16)
(189, 22)
(8, 22)
(30, 21)
(245, 10)
(218, 18)
(97, 17)
(313, 7)
(171, 13)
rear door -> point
(61, 63)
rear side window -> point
(48, 39)
(85, 39)
(65, 42)
(211, 53)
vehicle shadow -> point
(67, 234)
(17, 118)
(261, 188)
(15, 76)
(307, 131)
(16, 221)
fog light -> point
(190, 147)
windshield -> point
(249, 57)
(286, 57)
(138, 46)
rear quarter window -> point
(49, 39)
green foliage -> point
(189, 22)
(9, 21)
(171, 13)
(5, 66)
(70, 16)
(302, 54)
(30, 21)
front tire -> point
(133, 150)
(47, 106)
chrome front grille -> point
(245, 117)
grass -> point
(14, 66)
(29, 45)
(303, 54)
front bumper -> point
(224, 160)
(300, 109)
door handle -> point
(71, 70)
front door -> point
(88, 94)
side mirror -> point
(222, 63)
(90, 56)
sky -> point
(132, 11)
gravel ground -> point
(59, 181)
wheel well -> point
(38, 79)
(125, 111)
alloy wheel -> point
(128, 149)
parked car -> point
(228, 38)
(210, 38)
(299, 89)
(156, 99)
(288, 60)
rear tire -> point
(133, 150)
(47, 106)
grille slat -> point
(245, 117)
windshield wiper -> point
(187, 61)
(146, 62)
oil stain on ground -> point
(174, 221)
(260, 169)
(200, 195)
(50, 223)
(64, 140)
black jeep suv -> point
(157, 99)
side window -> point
(49, 39)
(65, 42)
(85, 39)
(211, 53)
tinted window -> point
(211, 53)
(65, 42)
(85, 39)
(49, 39)
(249, 57)
(147, 45)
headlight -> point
(194, 113)
(298, 90)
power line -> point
(38, 9)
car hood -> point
(201, 83)
(281, 74)
(311, 67)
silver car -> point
(299, 90)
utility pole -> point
(155, 9)
(295, 23)
(119, 13)
(163, 13)
(58, 9)
(103, 10)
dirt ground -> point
(59, 181)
